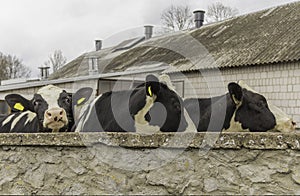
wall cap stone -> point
(212, 140)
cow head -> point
(52, 105)
(252, 110)
(167, 111)
(284, 123)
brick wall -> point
(279, 83)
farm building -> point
(261, 48)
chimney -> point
(44, 72)
(148, 31)
(98, 44)
(199, 18)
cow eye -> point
(67, 100)
(36, 103)
(261, 104)
(177, 107)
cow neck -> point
(141, 125)
(85, 113)
(140, 116)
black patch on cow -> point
(65, 101)
(152, 85)
(167, 111)
(254, 113)
(12, 99)
(236, 92)
(20, 127)
(200, 111)
(110, 113)
(40, 106)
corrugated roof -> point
(80, 65)
(263, 37)
(129, 43)
(268, 36)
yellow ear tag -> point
(19, 106)
(80, 101)
(149, 91)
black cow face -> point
(167, 111)
(252, 109)
(52, 105)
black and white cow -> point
(50, 110)
(150, 107)
(238, 110)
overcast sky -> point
(33, 29)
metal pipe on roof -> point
(98, 44)
(148, 31)
(44, 72)
(199, 18)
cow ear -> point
(18, 103)
(152, 85)
(82, 96)
(236, 92)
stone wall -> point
(181, 163)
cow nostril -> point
(55, 119)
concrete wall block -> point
(270, 89)
(283, 88)
(270, 74)
(296, 88)
(263, 75)
(296, 72)
(284, 103)
(297, 109)
(257, 75)
(277, 74)
(294, 80)
(292, 103)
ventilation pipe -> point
(199, 18)
(98, 44)
(148, 31)
(44, 72)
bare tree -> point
(218, 11)
(56, 60)
(11, 67)
(177, 17)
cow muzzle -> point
(55, 119)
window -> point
(93, 65)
